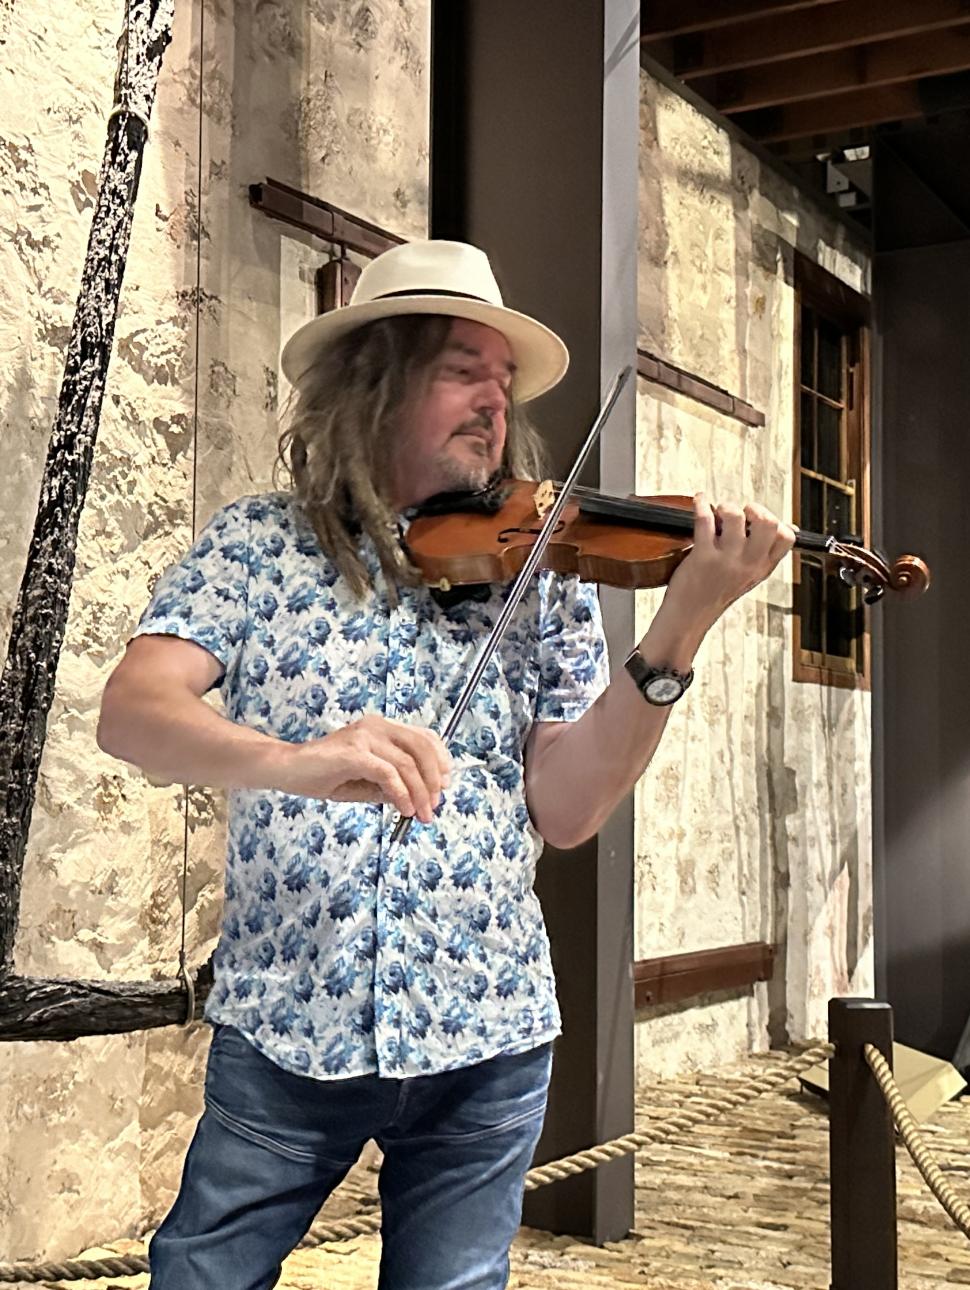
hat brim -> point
(539, 355)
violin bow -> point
(494, 638)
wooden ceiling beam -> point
(831, 26)
(887, 62)
(822, 117)
(665, 18)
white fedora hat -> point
(435, 277)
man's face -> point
(452, 430)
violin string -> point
(678, 518)
(633, 509)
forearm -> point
(152, 716)
(178, 738)
(591, 766)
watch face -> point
(663, 689)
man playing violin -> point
(363, 990)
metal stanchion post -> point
(861, 1150)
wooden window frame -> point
(850, 311)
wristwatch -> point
(660, 686)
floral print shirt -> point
(340, 956)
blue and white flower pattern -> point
(338, 955)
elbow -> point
(560, 823)
(566, 835)
(106, 735)
(567, 841)
(113, 721)
(564, 816)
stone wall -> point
(754, 821)
(331, 98)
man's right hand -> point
(371, 760)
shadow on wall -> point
(654, 245)
(777, 802)
(711, 998)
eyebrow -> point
(476, 353)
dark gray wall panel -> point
(922, 726)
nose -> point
(491, 396)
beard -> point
(453, 476)
(474, 468)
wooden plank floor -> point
(741, 1204)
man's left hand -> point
(734, 549)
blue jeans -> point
(271, 1146)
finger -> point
(423, 748)
(417, 755)
(783, 542)
(438, 748)
(424, 797)
(705, 526)
(386, 778)
(762, 529)
(768, 529)
(732, 524)
(444, 757)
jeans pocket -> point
(295, 1115)
(278, 1145)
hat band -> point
(431, 291)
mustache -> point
(481, 422)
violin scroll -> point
(910, 576)
(872, 573)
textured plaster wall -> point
(754, 820)
(329, 97)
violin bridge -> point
(544, 497)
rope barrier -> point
(686, 1118)
(697, 1111)
(915, 1143)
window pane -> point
(829, 436)
(811, 516)
(807, 370)
(829, 360)
(838, 519)
(810, 606)
(839, 618)
(806, 429)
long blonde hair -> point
(338, 425)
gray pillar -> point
(535, 128)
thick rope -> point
(915, 1143)
(696, 1112)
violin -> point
(632, 542)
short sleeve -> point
(573, 659)
(203, 598)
